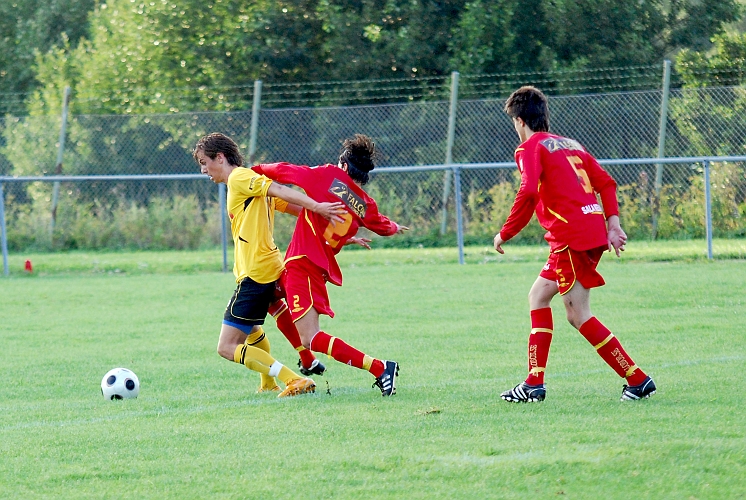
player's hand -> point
(616, 236)
(400, 229)
(363, 242)
(332, 212)
(498, 242)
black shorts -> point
(249, 304)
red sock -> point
(285, 324)
(611, 350)
(345, 353)
(539, 341)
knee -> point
(541, 295)
(226, 351)
(573, 319)
(576, 317)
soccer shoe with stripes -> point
(317, 368)
(635, 392)
(297, 387)
(524, 393)
(387, 381)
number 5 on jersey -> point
(334, 233)
(577, 165)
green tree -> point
(506, 35)
(713, 121)
(28, 26)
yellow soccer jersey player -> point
(252, 215)
(252, 201)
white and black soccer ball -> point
(120, 383)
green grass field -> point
(198, 430)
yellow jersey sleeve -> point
(281, 205)
(246, 183)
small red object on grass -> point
(28, 267)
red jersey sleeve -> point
(603, 184)
(376, 222)
(528, 194)
(285, 173)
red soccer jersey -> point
(560, 179)
(314, 237)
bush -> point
(682, 207)
(177, 223)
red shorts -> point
(305, 288)
(566, 266)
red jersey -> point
(560, 179)
(314, 237)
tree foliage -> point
(130, 50)
(30, 26)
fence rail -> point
(386, 178)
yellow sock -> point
(253, 358)
(287, 375)
(259, 339)
(259, 361)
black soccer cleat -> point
(316, 368)
(635, 392)
(387, 381)
(524, 393)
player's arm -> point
(615, 234)
(379, 223)
(286, 173)
(605, 186)
(293, 209)
(287, 208)
(525, 200)
(498, 243)
(330, 211)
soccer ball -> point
(120, 383)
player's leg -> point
(308, 298)
(245, 312)
(257, 338)
(242, 340)
(320, 341)
(542, 327)
(229, 339)
(308, 363)
(577, 305)
(232, 345)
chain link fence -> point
(665, 201)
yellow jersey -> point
(252, 216)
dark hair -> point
(215, 143)
(360, 155)
(530, 105)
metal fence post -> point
(459, 216)
(661, 143)
(60, 151)
(3, 232)
(449, 149)
(708, 209)
(223, 229)
(255, 108)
